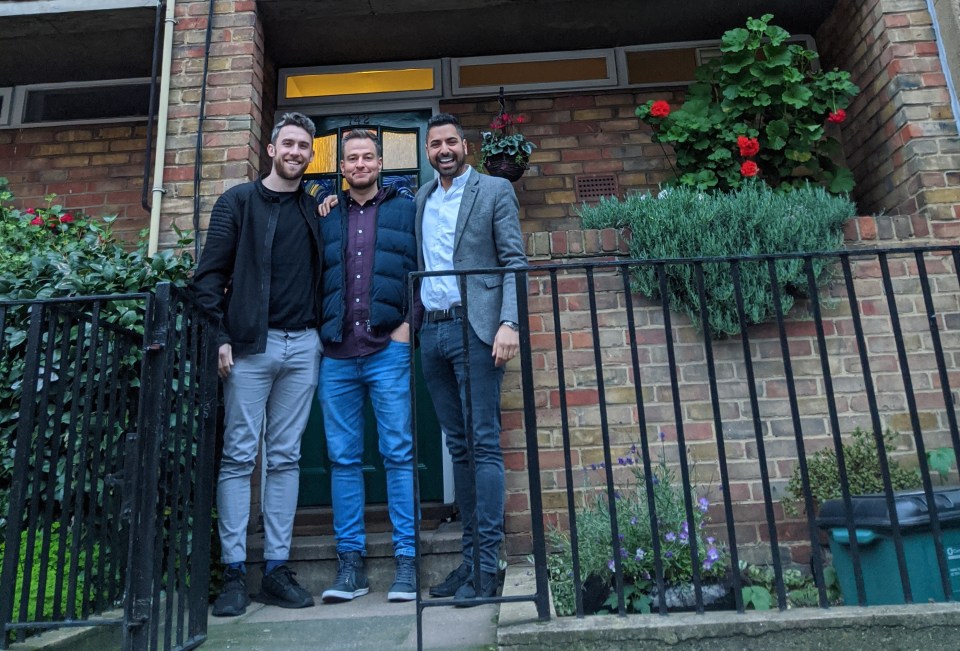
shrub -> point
(636, 539)
(759, 110)
(862, 461)
(49, 252)
(685, 223)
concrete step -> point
(314, 558)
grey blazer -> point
(487, 236)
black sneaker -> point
(233, 599)
(488, 587)
(404, 586)
(452, 583)
(351, 579)
(279, 588)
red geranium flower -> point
(66, 218)
(660, 109)
(749, 168)
(748, 146)
(30, 211)
(838, 116)
(37, 221)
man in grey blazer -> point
(466, 220)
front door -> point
(404, 165)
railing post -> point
(143, 526)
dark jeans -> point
(480, 495)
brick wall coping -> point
(612, 242)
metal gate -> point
(107, 436)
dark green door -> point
(402, 135)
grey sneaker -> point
(404, 586)
(351, 580)
(279, 588)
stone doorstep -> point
(930, 626)
(314, 558)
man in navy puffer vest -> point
(369, 248)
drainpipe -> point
(161, 151)
(954, 101)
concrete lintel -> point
(34, 7)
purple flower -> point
(712, 554)
(684, 527)
(670, 536)
(639, 555)
(707, 564)
(710, 540)
(593, 466)
(620, 536)
(633, 521)
(633, 448)
(668, 555)
(621, 461)
(684, 537)
(611, 565)
(704, 504)
(623, 553)
(663, 436)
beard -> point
(453, 171)
(280, 168)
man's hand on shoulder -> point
(506, 345)
(225, 361)
(328, 204)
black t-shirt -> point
(292, 303)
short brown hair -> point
(363, 134)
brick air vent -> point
(592, 187)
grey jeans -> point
(276, 386)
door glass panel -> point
(399, 150)
(324, 155)
(406, 184)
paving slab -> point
(369, 623)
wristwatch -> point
(513, 325)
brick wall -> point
(575, 134)
(232, 128)
(900, 136)
(741, 447)
(94, 168)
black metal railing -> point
(859, 339)
(107, 467)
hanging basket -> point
(505, 166)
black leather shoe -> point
(449, 586)
(279, 588)
(488, 587)
(233, 599)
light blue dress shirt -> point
(439, 229)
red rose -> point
(37, 221)
(660, 109)
(838, 116)
(749, 168)
(66, 218)
(748, 146)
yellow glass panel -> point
(661, 66)
(533, 72)
(324, 155)
(399, 150)
(359, 83)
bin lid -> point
(912, 509)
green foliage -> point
(764, 89)
(862, 461)
(759, 587)
(753, 220)
(52, 567)
(636, 538)
(49, 252)
(941, 461)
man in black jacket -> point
(369, 248)
(259, 276)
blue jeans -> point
(269, 392)
(344, 386)
(479, 495)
